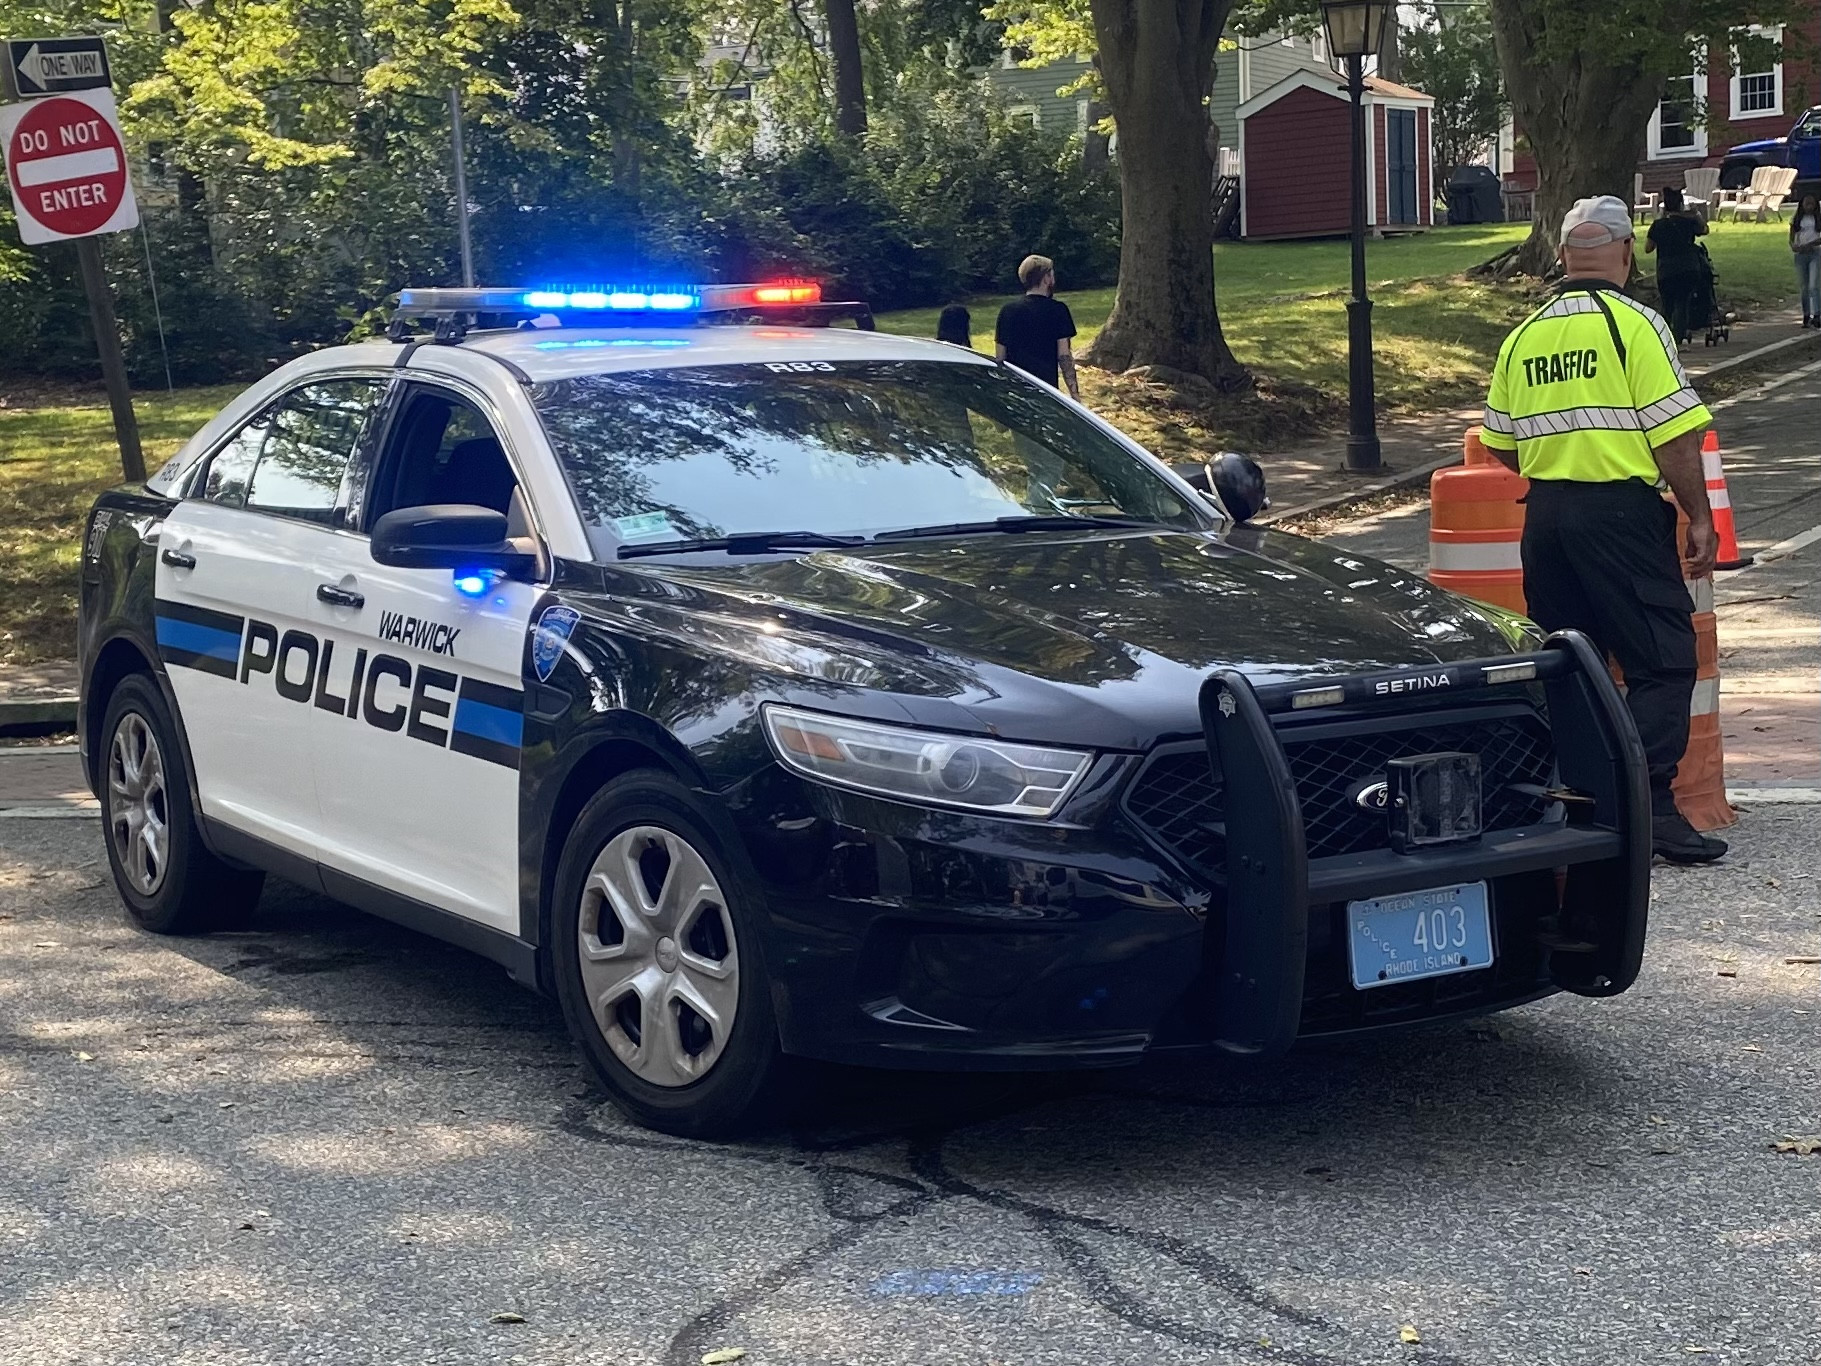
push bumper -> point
(1603, 856)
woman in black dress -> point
(1672, 239)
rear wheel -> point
(658, 962)
(167, 877)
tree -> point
(1156, 61)
(1457, 63)
(1584, 78)
(844, 54)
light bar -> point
(1318, 697)
(1510, 673)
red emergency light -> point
(780, 292)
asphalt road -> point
(329, 1140)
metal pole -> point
(461, 186)
(1362, 406)
(113, 363)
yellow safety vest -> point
(1587, 387)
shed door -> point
(1400, 163)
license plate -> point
(1419, 934)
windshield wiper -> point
(744, 543)
(1033, 522)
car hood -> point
(1101, 636)
(1759, 148)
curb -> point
(37, 715)
(1396, 481)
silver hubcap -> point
(659, 962)
(138, 815)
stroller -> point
(1704, 310)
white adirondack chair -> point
(1735, 199)
(1699, 186)
(1642, 205)
(1770, 203)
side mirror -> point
(448, 536)
(1239, 484)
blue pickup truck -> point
(1801, 148)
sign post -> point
(66, 167)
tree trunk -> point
(1094, 149)
(1585, 119)
(624, 138)
(844, 53)
(1157, 61)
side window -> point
(231, 469)
(310, 439)
(442, 449)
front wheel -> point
(167, 877)
(659, 965)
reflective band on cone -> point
(1455, 555)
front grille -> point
(1180, 803)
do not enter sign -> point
(66, 166)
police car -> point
(759, 687)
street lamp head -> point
(1355, 28)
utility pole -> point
(461, 185)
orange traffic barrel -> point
(1475, 526)
(1700, 785)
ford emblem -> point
(1373, 796)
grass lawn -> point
(1435, 331)
(53, 461)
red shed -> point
(1293, 146)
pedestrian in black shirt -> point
(1033, 332)
(955, 327)
(1672, 238)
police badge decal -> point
(548, 638)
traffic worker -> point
(1590, 403)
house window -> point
(1757, 84)
(1026, 111)
(1318, 48)
(1676, 128)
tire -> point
(170, 881)
(649, 970)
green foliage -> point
(1458, 63)
(293, 167)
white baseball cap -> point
(1599, 220)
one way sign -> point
(54, 66)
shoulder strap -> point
(1612, 325)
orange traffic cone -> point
(1721, 502)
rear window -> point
(842, 448)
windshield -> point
(848, 448)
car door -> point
(417, 774)
(232, 595)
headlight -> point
(923, 766)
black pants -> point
(1678, 294)
(1601, 558)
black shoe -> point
(1673, 839)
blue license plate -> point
(1419, 934)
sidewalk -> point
(1305, 480)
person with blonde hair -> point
(1033, 332)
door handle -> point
(178, 559)
(339, 597)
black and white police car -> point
(760, 687)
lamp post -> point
(1355, 28)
